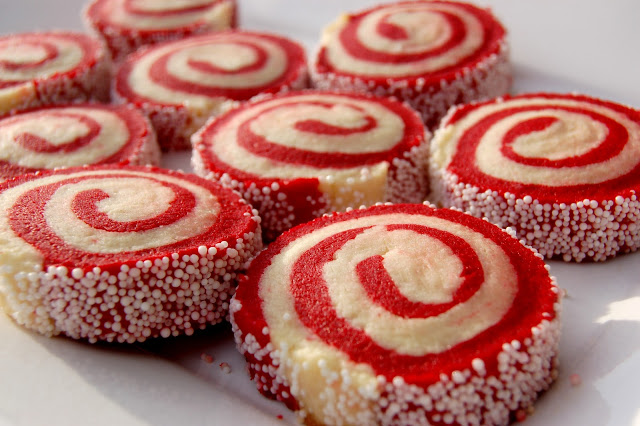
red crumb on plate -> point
(206, 358)
(575, 379)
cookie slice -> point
(181, 84)
(300, 155)
(127, 25)
(431, 54)
(50, 68)
(399, 314)
(121, 253)
(563, 171)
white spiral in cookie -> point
(63, 137)
(163, 14)
(213, 68)
(24, 57)
(541, 141)
(409, 39)
(405, 286)
(317, 134)
(86, 216)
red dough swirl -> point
(562, 170)
(299, 155)
(51, 68)
(181, 84)
(127, 25)
(66, 136)
(399, 314)
(432, 54)
(121, 253)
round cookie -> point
(299, 155)
(562, 170)
(180, 84)
(50, 68)
(75, 135)
(399, 314)
(431, 54)
(121, 253)
(127, 25)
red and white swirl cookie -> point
(299, 155)
(562, 170)
(51, 68)
(75, 135)
(127, 25)
(399, 314)
(183, 83)
(121, 253)
(431, 54)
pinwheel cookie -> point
(399, 314)
(121, 253)
(127, 25)
(180, 84)
(299, 155)
(51, 68)
(431, 54)
(562, 170)
(75, 135)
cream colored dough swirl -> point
(59, 128)
(426, 29)
(30, 59)
(131, 196)
(167, 14)
(409, 336)
(234, 53)
(335, 111)
(572, 133)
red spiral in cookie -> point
(308, 133)
(52, 137)
(525, 145)
(171, 241)
(378, 300)
(24, 57)
(410, 39)
(227, 65)
(148, 213)
(50, 67)
(337, 150)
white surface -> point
(572, 45)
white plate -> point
(573, 45)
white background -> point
(569, 45)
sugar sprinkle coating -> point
(399, 314)
(52, 68)
(181, 84)
(128, 25)
(299, 155)
(431, 54)
(75, 135)
(121, 253)
(561, 170)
